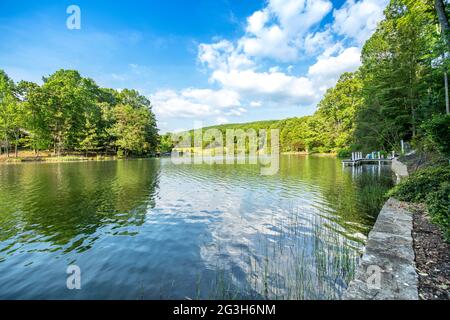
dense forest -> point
(69, 113)
(397, 94)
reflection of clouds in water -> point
(263, 226)
(162, 225)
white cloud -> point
(223, 55)
(221, 120)
(315, 42)
(358, 19)
(248, 71)
(297, 16)
(270, 42)
(257, 21)
(236, 112)
(275, 85)
(278, 30)
(255, 104)
(195, 103)
(326, 71)
(215, 98)
(169, 104)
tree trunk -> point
(16, 145)
(7, 147)
(447, 103)
(445, 28)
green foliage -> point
(438, 131)
(402, 86)
(166, 143)
(69, 113)
(438, 204)
(421, 183)
(344, 153)
(430, 186)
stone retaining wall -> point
(400, 169)
(387, 268)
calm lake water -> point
(149, 229)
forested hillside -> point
(397, 94)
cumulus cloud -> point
(326, 71)
(315, 42)
(274, 85)
(358, 19)
(195, 103)
(278, 30)
(249, 71)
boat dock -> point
(358, 159)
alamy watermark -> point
(73, 281)
(239, 146)
(373, 280)
(73, 22)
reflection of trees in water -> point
(65, 204)
(353, 199)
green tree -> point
(10, 112)
(67, 96)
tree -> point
(130, 129)
(445, 29)
(397, 73)
(36, 116)
(338, 109)
(9, 111)
(66, 95)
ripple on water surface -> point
(152, 229)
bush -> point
(438, 204)
(421, 183)
(344, 153)
(432, 187)
(438, 132)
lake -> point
(150, 229)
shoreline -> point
(61, 159)
(80, 158)
(409, 250)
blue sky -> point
(214, 61)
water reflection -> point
(65, 203)
(151, 229)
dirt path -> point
(432, 258)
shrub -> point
(438, 132)
(438, 204)
(421, 183)
(343, 153)
(432, 187)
